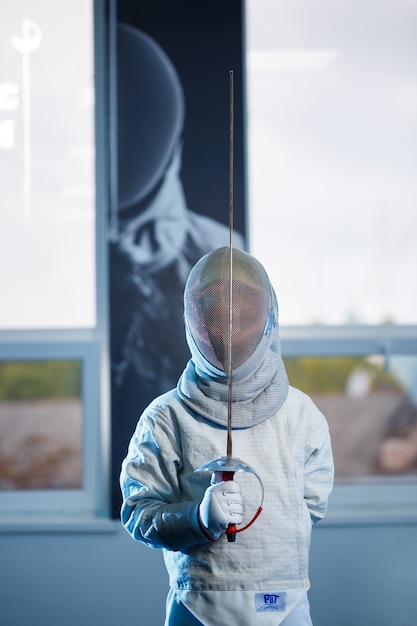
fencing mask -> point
(260, 383)
(206, 302)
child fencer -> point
(261, 578)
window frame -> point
(88, 500)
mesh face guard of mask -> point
(206, 303)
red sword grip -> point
(231, 529)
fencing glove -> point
(222, 505)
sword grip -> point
(231, 529)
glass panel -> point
(372, 413)
(332, 113)
(47, 192)
(40, 425)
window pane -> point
(40, 425)
(372, 413)
(46, 165)
(332, 111)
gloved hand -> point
(222, 505)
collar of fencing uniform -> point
(259, 386)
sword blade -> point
(230, 364)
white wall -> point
(80, 579)
(361, 576)
(364, 575)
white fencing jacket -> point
(290, 451)
(281, 435)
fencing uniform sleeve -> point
(154, 510)
(318, 471)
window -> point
(50, 427)
(332, 155)
(332, 158)
(47, 163)
(53, 380)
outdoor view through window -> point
(40, 425)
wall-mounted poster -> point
(169, 94)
